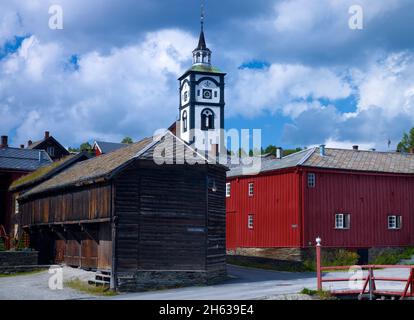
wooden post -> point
(412, 283)
(371, 284)
(319, 263)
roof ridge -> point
(369, 151)
(307, 156)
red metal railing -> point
(369, 280)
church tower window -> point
(185, 121)
(207, 120)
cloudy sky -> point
(295, 68)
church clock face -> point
(207, 94)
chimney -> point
(4, 142)
(356, 148)
(47, 134)
(22, 146)
(279, 153)
(322, 150)
(214, 150)
(29, 143)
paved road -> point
(244, 284)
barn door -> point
(73, 253)
(89, 258)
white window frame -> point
(251, 189)
(394, 222)
(228, 190)
(250, 221)
(311, 180)
(342, 221)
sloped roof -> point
(105, 166)
(47, 172)
(338, 159)
(387, 162)
(202, 68)
(107, 147)
(271, 164)
(38, 144)
(23, 159)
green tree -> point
(85, 147)
(127, 140)
(407, 142)
(271, 149)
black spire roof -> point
(202, 42)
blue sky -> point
(295, 69)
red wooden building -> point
(350, 198)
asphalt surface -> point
(244, 284)
(256, 284)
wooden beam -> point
(91, 232)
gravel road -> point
(36, 286)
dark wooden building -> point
(55, 150)
(15, 163)
(151, 223)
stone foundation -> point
(18, 261)
(299, 255)
(282, 254)
(156, 280)
(18, 258)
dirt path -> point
(36, 286)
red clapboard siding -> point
(275, 206)
(369, 199)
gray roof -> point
(270, 164)
(107, 147)
(23, 159)
(338, 159)
(387, 162)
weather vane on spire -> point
(202, 15)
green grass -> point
(340, 258)
(391, 257)
(38, 173)
(265, 265)
(23, 273)
(323, 295)
(83, 287)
